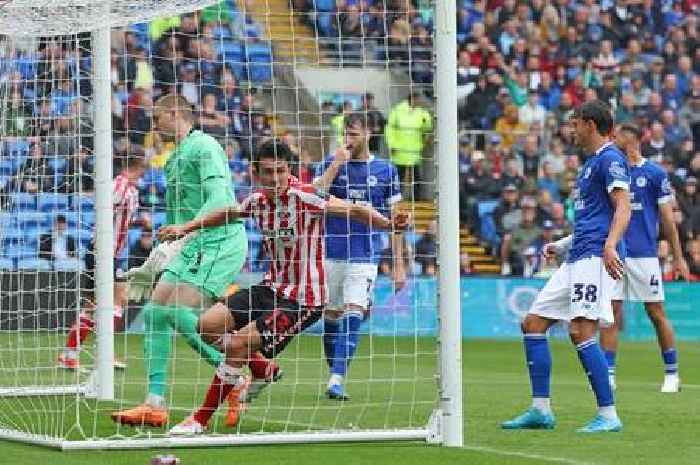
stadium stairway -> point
(294, 42)
(482, 262)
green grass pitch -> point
(659, 428)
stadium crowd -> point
(523, 67)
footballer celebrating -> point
(266, 317)
(580, 291)
(353, 247)
(651, 200)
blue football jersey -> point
(649, 188)
(373, 182)
(606, 170)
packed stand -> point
(47, 162)
(523, 67)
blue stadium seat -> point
(222, 32)
(58, 164)
(31, 219)
(7, 264)
(325, 22)
(7, 167)
(259, 62)
(134, 235)
(23, 201)
(231, 53)
(488, 231)
(68, 264)
(83, 202)
(19, 252)
(72, 218)
(17, 148)
(7, 220)
(87, 218)
(52, 201)
(324, 5)
(33, 264)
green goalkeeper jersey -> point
(198, 180)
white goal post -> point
(95, 393)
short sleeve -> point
(394, 187)
(615, 173)
(212, 161)
(312, 199)
(664, 192)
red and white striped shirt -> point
(293, 226)
(126, 202)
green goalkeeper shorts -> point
(210, 261)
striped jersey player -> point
(125, 200)
(651, 197)
(267, 316)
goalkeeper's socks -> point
(596, 368)
(539, 365)
(157, 346)
(670, 357)
(610, 358)
(346, 343)
(330, 334)
(77, 335)
(225, 379)
(186, 322)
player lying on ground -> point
(580, 290)
(198, 182)
(266, 317)
(125, 199)
(353, 248)
(652, 199)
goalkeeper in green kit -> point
(198, 181)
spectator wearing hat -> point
(655, 77)
(515, 242)
(507, 214)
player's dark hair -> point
(632, 129)
(274, 149)
(598, 112)
(356, 118)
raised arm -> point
(324, 181)
(365, 214)
(621, 218)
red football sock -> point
(217, 393)
(79, 332)
(260, 367)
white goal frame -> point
(446, 422)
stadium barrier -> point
(491, 307)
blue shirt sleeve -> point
(615, 172)
(663, 191)
(395, 189)
(321, 167)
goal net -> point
(83, 183)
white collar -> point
(603, 147)
(641, 163)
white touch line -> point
(524, 455)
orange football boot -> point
(142, 415)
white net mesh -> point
(250, 70)
(60, 17)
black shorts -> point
(88, 275)
(277, 319)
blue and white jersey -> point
(650, 188)
(606, 170)
(372, 182)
